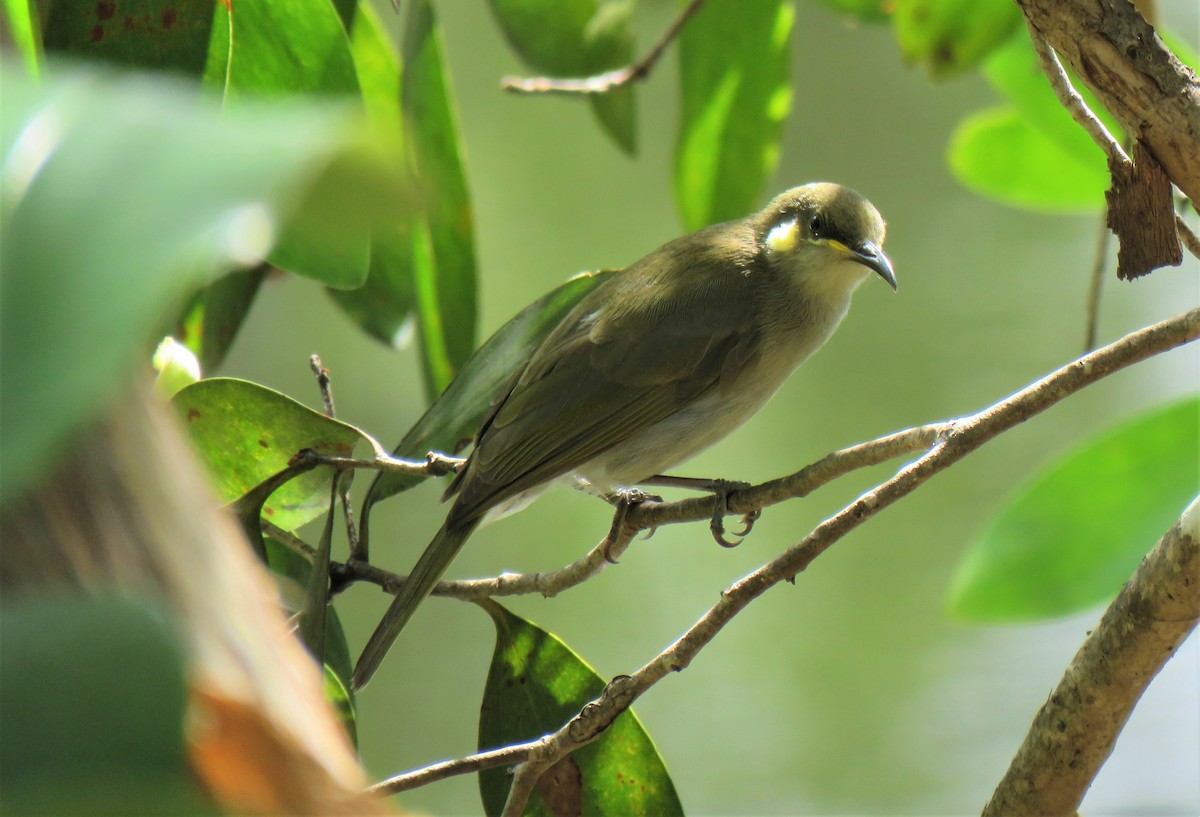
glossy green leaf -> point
(998, 154)
(21, 24)
(383, 306)
(535, 684)
(245, 433)
(1074, 534)
(1013, 70)
(289, 47)
(577, 38)
(736, 93)
(212, 320)
(443, 246)
(145, 34)
(92, 696)
(456, 414)
(950, 36)
(869, 11)
(293, 572)
(209, 187)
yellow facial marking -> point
(840, 247)
(784, 237)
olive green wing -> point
(606, 374)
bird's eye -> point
(816, 225)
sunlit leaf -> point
(950, 36)
(535, 684)
(608, 44)
(208, 190)
(245, 433)
(444, 246)
(145, 34)
(176, 367)
(93, 693)
(997, 153)
(734, 68)
(21, 21)
(1074, 534)
(456, 414)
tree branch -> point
(1075, 730)
(954, 441)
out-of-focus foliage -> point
(534, 685)
(1071, 537)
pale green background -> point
(851, 692)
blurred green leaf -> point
(338, 694)
(289, 47)
(292, 572)
(950, 36)
(1073, 535)
(208, 190)
(176, 367)
(577, 38)
(21, 24)
(535, 684)
(456, 414)
(245, 433)
(736, 93)
(869, 11)
(310, 625)
(443, 247)
(146, 34)
(92, 696)
(997, 153)
(383, 305)
(1013, 70)
(210, 324)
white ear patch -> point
(784, 237)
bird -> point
(657, 363)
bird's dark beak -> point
(871, 256)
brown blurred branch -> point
(609, 80)
(1075, 730)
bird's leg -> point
(622, 499)
(720, 489)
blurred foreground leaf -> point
(535, 684)
(245, 433)
(142, 34)
(456, 414)
(998, 154)
(1072, 536)
(211, 187)
(950, 36)
(92, 696)
(869, 11)
(21, 24)
(736, 93)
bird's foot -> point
(622, 499)
(721, 489)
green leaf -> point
(456, 414)
(245, 433)
(293, 572)
(1014, 71)
(1074, 533)
(93, 696)
(289, 47)
(869, 11)
(176, 367)
(443, 246)
(210, 186)
(383, 305)
(736, 94)
(950, 36)
(339, 696)
(997, 153)
(145, 34)
(536, 683)
(211, 323)
(608, 44)
(21, 24)
(312, 617)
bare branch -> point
(1075, 730)
(609, 80)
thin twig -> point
(1071, 100)
(954, 441)
(609, 80)
(1189, 238)
(325, 385)
(1093, 297)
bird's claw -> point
(721, 508)
(623, 500)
